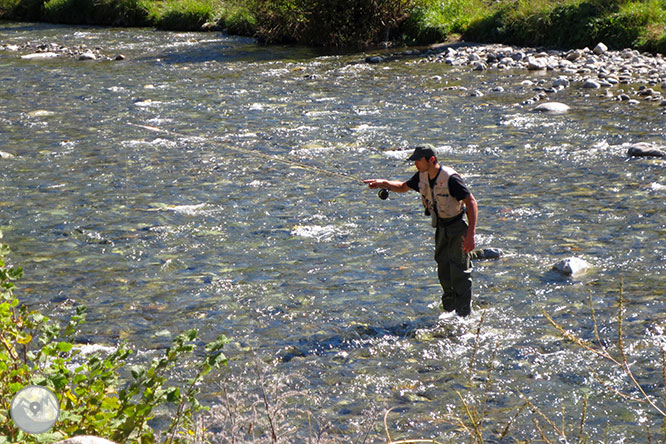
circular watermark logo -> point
(34, 409)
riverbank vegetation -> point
(638, 24)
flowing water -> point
(157, 233)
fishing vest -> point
(447, 205)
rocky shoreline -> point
(642, 75)
(43, 51)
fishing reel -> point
(383, 194)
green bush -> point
(67, 11)
(93, 397)
(240, 21)
(30, 10)
(631, 22)
(340, 23)
(185, 15)
(98, 12)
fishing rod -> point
(383, 193)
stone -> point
(552, 107)
(561, 81)
(88, 55)
(571, 266)
(574, 55)
(4, 155)
(39, 56)
(536, 65)
(589, 83)
(600, 49)
(644, 149)
(374, 59)
(487, 253)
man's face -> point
(422, 164)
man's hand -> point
(468, 243)
(374, 183)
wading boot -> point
(463, 306)
(448, 302)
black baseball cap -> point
(420, 151)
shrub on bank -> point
(183, 15)
(98, 12)
(339, 23)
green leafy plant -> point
(94, 397)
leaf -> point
(65, 346)
(23, 338)
(173, 395)
(217, 344)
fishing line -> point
(294, 163)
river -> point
(309, 271)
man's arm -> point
(392, 185)
(472, 212)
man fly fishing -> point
(446, 199)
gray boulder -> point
(644, 149)
(571, 266)
(551, 107)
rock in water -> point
(39, 56)
(643, 149)
(571, 266)
(552, 107)
(487, 253)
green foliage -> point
(21, 9)
(97, 12)
(183, 15)
(630, 23)
(240, 21)
(93, 397)
(340, 23)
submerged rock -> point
(571, 266)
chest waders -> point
(454, 266)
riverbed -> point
(157, 231)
